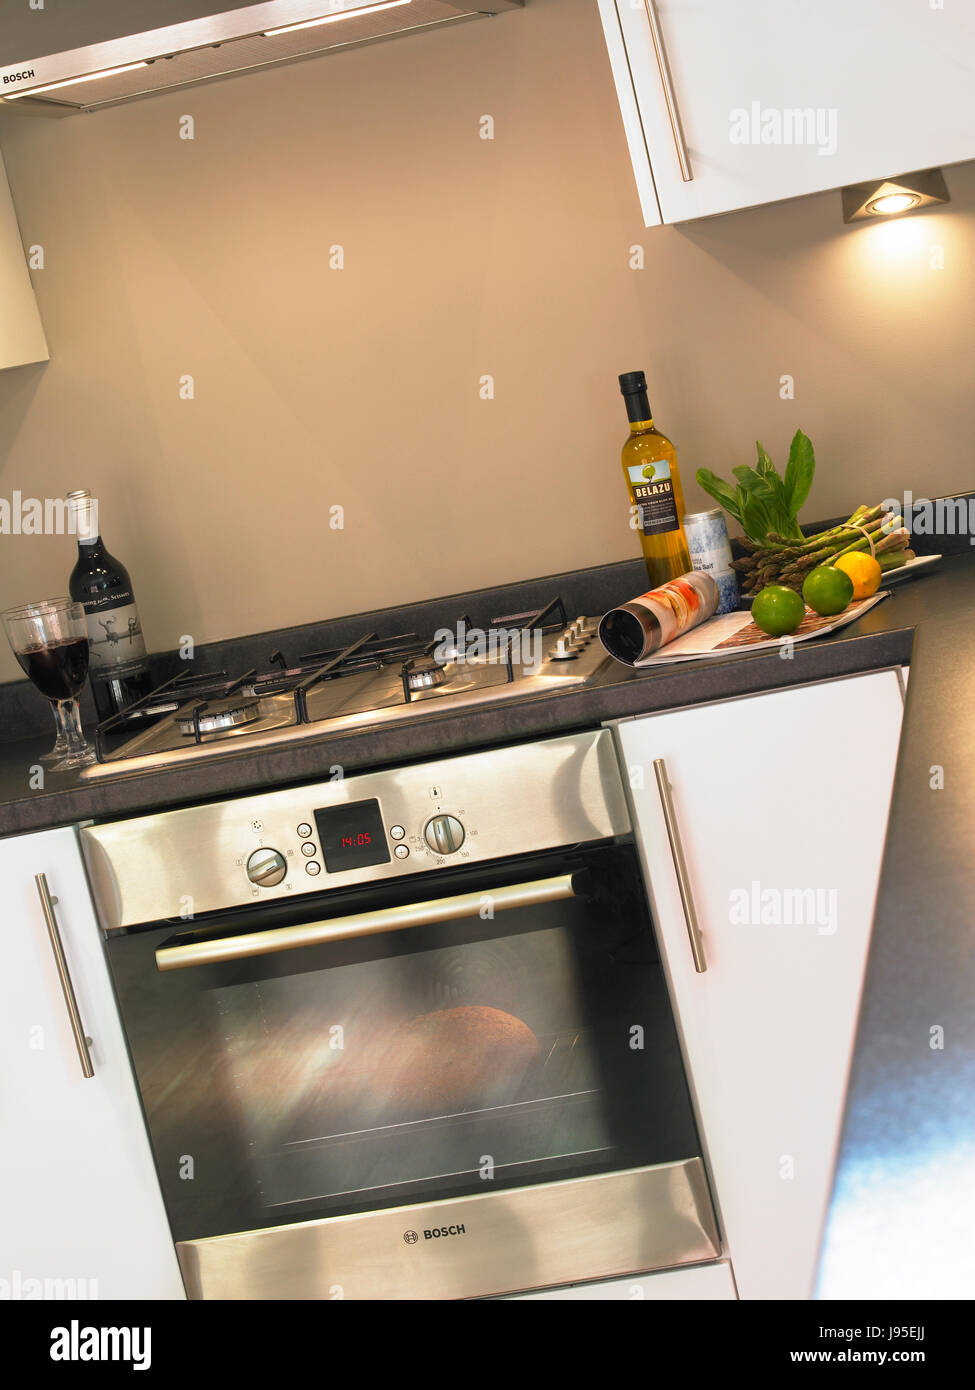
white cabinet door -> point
(779, 98)
(781, 803)
(21, 334)
(80, 1207)
(700, 1283)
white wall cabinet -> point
(781, 803)
(80, 1207)
(889, 84)
(21, 333)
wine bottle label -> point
(118, 648)
(653, 492)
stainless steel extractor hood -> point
(132, 59)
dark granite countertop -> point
(883, 637)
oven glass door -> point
(523, 1045)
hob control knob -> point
(266, 867)
(444, 834)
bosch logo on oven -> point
(18, 76)
(436, 1233)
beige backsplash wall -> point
(464, 257)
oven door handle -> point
(172, 955)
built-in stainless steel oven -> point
(406, 1034)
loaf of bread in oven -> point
(467, 1058)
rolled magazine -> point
(637, 629)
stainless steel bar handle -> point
(670, 96)
(67, 988)
(545, 890)
(680, 864)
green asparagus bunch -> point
(766, 505)
(783, 560)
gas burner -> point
(366, 682)
(214, 721)
(423, 673)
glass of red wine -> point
(50, 640)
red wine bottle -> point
(118, 669)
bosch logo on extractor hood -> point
(214, 45)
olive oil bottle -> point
(653, 478)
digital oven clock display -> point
(352, 836)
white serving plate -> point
(918, 563)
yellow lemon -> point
(863, 569)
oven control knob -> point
(444, 834)
(266, 867)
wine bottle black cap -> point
(633, 382)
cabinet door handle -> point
(683, 878)
(67, 988)
(670, 97)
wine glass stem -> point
(61, 742)
(67, 713)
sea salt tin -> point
(710, 551)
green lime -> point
(778, 610)
(827, 590)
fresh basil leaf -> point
(753, 483)
(757, 520)
(765, 465)
(799, 472)
(783, 516)
(749, 525)
(718, 489)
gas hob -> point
(372, 681)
